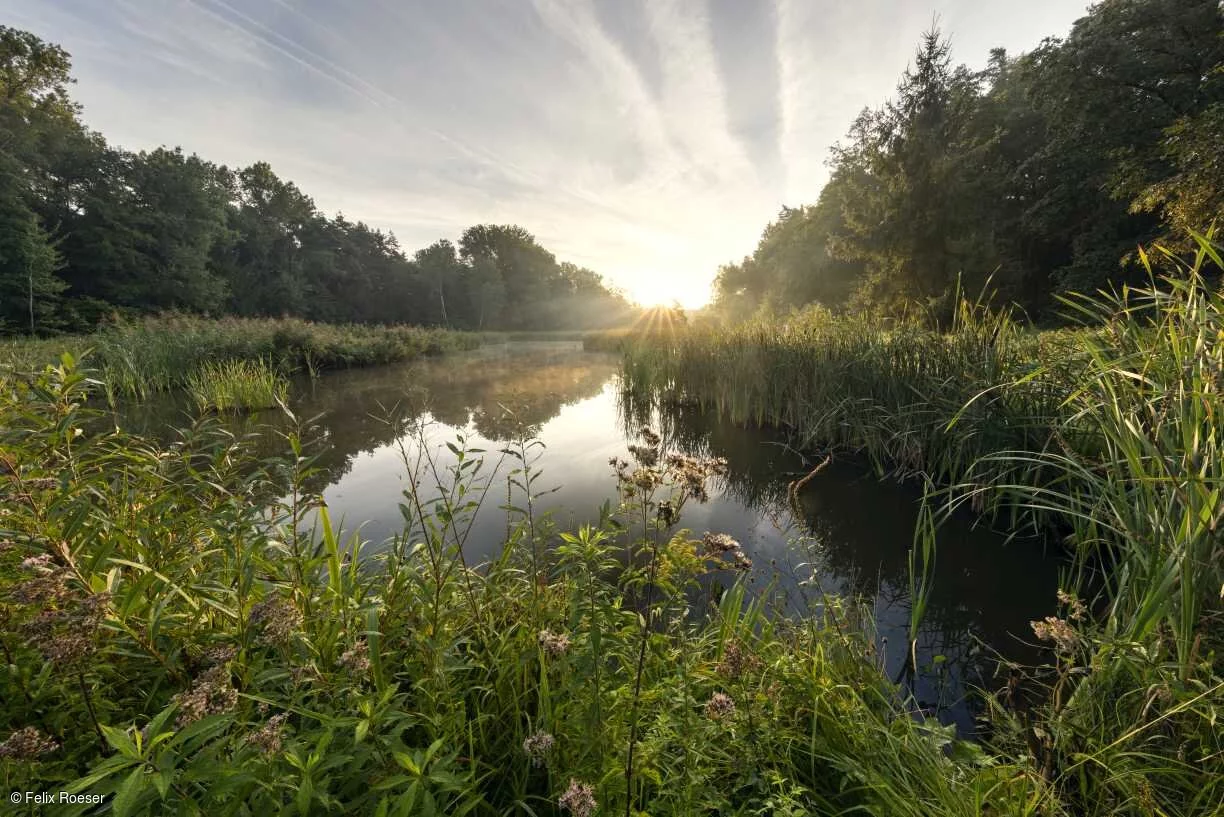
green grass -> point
(158, 354)
(1105, 437)
(237, 385)
(170, 649)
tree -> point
(29, 288)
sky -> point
(650, 140)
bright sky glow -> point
(650, 140)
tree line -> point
(89, 230)
(1036, 176)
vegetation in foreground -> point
(224, 663)
(136, 359)
(1106, 437)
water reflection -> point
(849, 532)
(853, 531)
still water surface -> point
(851, 533)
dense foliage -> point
(1041, 172)
(1106, 438)
(88, 229)
(155, 354)
(170, 647)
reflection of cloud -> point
(647, 139)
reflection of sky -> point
(855, 534)
(648, 139)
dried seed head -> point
(210, 694)
(578, 799)
(736, 661)
(278, 621)
(667, 513)
(220, 654)
(1056, 630)
(357, 659)
(645, 456)
(1076, 610)
(717, 544)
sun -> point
(656, 297)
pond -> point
(849, 532)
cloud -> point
(650, 140)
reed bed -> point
(237, 385)
(177, 641)
(1104, 437)
(158, 354)
(172, 648)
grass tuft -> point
(237, 385)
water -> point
(851, 533)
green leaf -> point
(119, 740)
(406, 760)
(128, 793)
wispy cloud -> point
(648, 139)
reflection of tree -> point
(496, 390)
(859, 529)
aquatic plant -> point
(139, 358)
(1105, 437)
(237, 385)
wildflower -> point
(644, 455)
(210, 694)
(1076, 610)
(41, 563)
(1056, 630)
(277, 619)
(578, 799)
(668, 514)
(44, 589)
(555, 644)
(538, 746)
(357, 659)
(26, 744)
(269, 738)
(220, 654)
(68, 636)
(742, 562)
(736, 661)
(719, 706)
(719, 543)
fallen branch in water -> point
(795, 487)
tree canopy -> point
(1035, 176)
(88, 229)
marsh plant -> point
(176, 643)
(1104, 438)
(176, 647)
(139, 358)
(237, 385)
